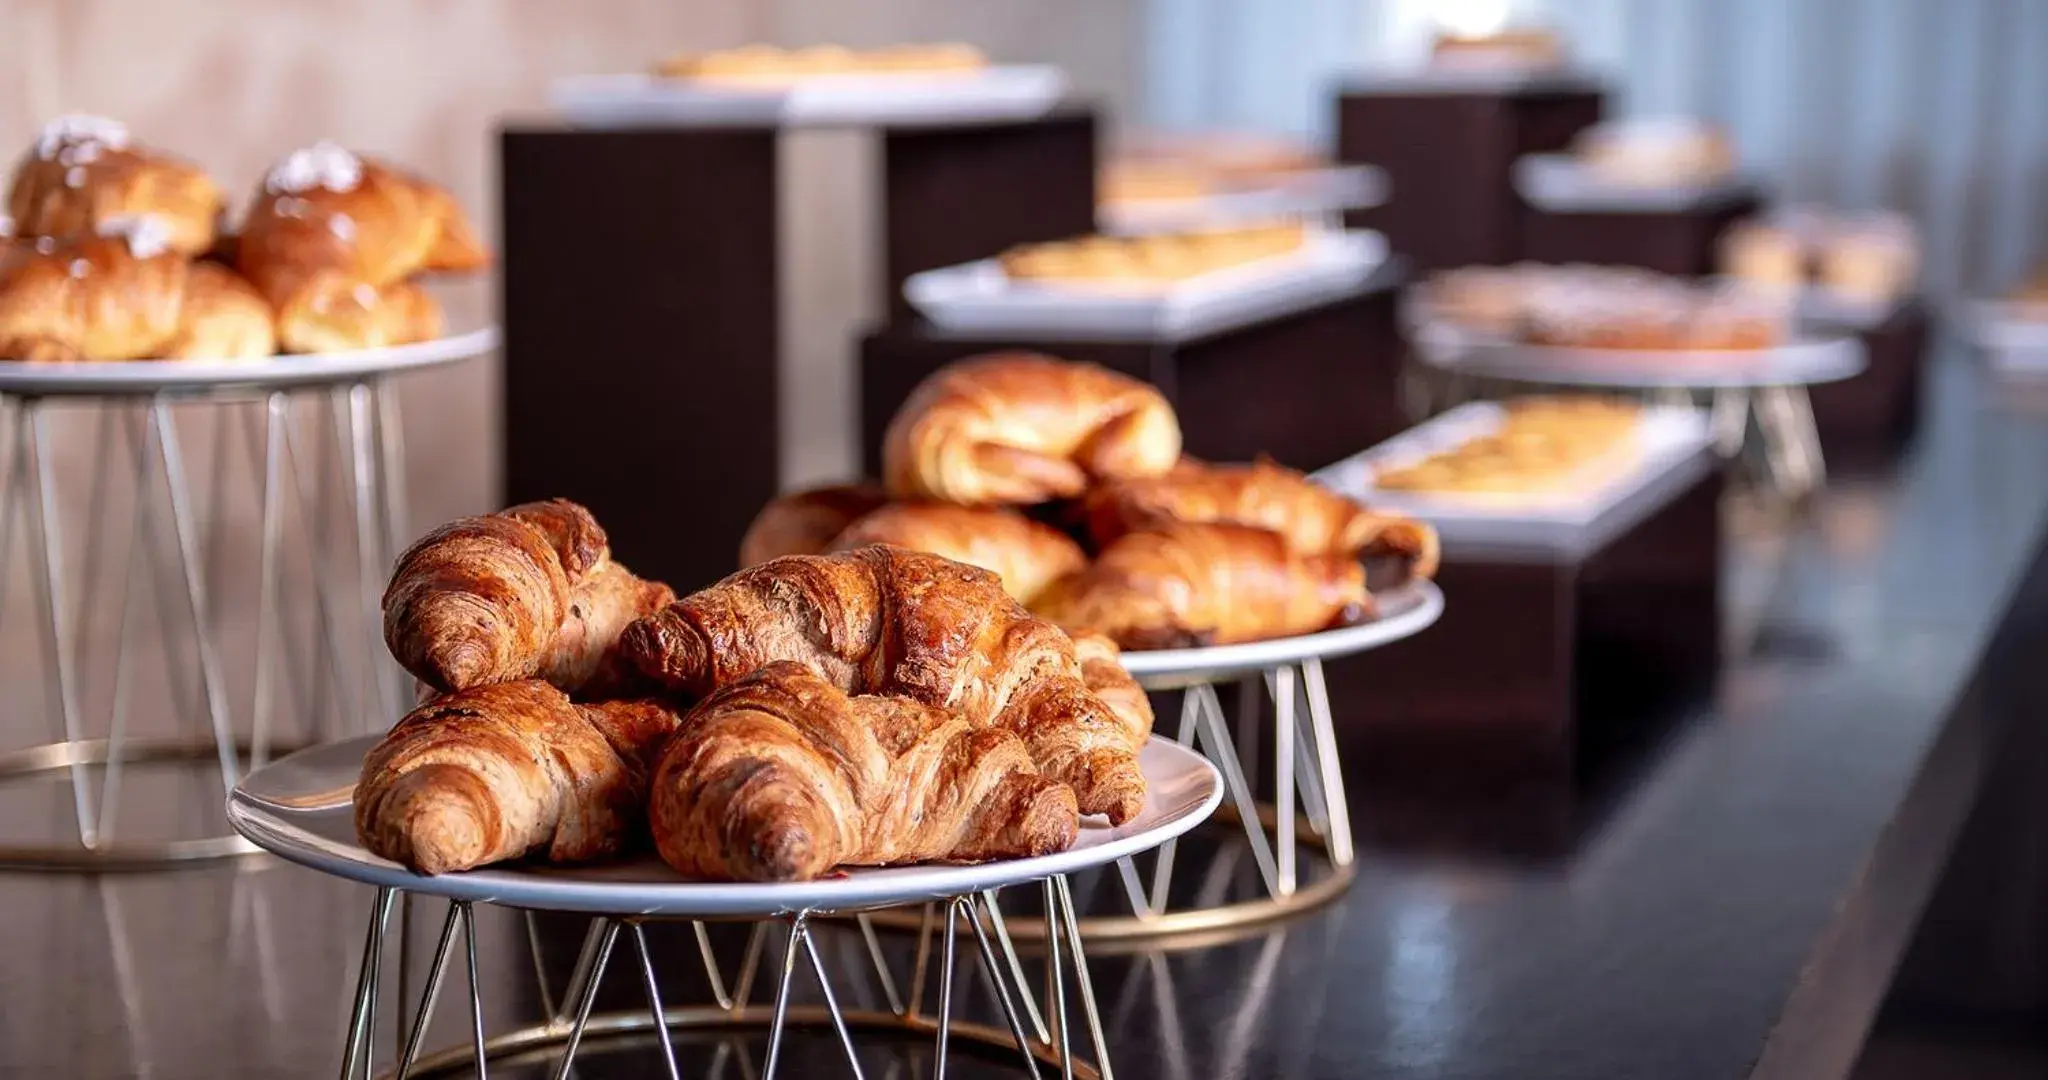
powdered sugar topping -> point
(342, 226)
(74, 130)
(147, 234)
(322, 165)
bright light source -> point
(1472, 18)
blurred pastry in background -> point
(1543, 446)
(1873, 259)
(1138, 180)
(83, 171)
(1765, 255)
(1150, 260)
(333, 240)
(1866, 258)
(1606, 307)
(773, 64)
(1513, 48)
(1661, 152)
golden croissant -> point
(1013, 428)
(127, 297)
(530, 591)
(1025, 554)
(806, 522)
(886, 620)
(331, 240)
(85, 174)
(780, 776)
(1204, 584)
(502, 771)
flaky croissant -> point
(1014, 428)
(84, 173)
(781, 776)
(1025, 554)
(886, 620)
(1103, 671)
(1205, 584)
(127, 297)
(331, 240)
(530, 591)
(806, 522)
(497, 772)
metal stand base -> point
(173, 548)
(1040, 1035)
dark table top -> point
(1735, 911)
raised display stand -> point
(1547, 649)
(1874, 414)
(1303, 388)
(1449, 153)
(641, 284)
(1683, 241)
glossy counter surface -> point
(1735, 908)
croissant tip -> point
(435, 822)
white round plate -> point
(1404, 612)
(1800, 362)
(300, 808)
(276, 372)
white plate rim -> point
(260, 822)
(1422, 604)
(1806, 360)
(284, 369)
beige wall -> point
(235, 83)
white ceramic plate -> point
(1403, 613)
(1005, 92)
(277, 372)
(299, 808)
(1801, 362)
(977, 298)
(1312, 193)
(1674, 447)
(1561, 184)
(2013, 336)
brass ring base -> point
(76, 858)
(537, 1043)
(1196, 928)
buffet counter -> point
(1734, 904)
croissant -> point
(782, 777)
(224, 318)
(1011, 428)
(886, 620)
(331, 239)
(805, 522)
(495, 772)
(525, 592)
(1025, 554)
(1103, 671)
(84, 172)
(1206, 584)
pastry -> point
(331, 241)
(1187, 585)
(886, 620)
(781, 776)
(1013, 428)
(1667, 152)
(1154, 259)
(527, 592)
(502, 771)
(85, 171)
(806, 522)
(1602, 307)
(1542, 446)
(770, 65)
(1871, 260)
(126, 295)
(1025, 554)
(1103, 672)
(1313, 519)
(1509, 49)
(1764, 255)
(1146, 180)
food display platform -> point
(1303, 388)
(1874, 414)
(1681, 239)
(651, 332)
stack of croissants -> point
(871, 689)
(112, 250)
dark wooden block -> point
(958, 193)
(1306, 388)
(1684, 242)
(641, 340)
(1539, 673)
(1877, 412)
(1450, 159)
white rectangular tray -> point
(2014, 336)
(1008, 92)
(1561, 184)
(976, 298)
(1675, 446)
(1307, 194)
